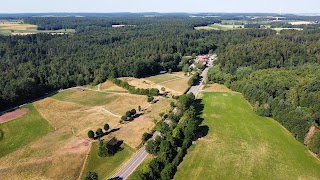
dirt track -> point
(12, 115)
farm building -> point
(201, 59)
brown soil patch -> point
(108, 85)
(12, 115)
(309, 135)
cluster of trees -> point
(99, 132)
(279, 76)
(133, 90)
(172, 145)
(194, 79)
(128, 115)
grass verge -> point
(106, 166)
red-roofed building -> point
(201, 59)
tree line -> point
(170, 148)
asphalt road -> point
(197, 88)
(134, 162)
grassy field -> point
(20, 28)
(162, 78)
(86, 98)
(23, 130)
(242, 145)
(106, 166)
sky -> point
(193, 6)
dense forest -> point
(33, 65)
(280, 76)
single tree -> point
(150, 99)
(133, 112)
(139, 108)
(91, 134)
(99, 132)
(163, 89)
(128, 114)
(106, 127)
(92, 176)
(124, 118)
(172, 104)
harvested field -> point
(216, 88)
(125, 102)
(178, 86)
(58, 155)
(141, 83)
(20, 28)
(12, 115)
(109, 86)
(76, 118)
(301, 22)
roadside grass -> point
(143, 165)
(106, 166)
(85, 98)
(243, 145)
(162, 78)
(23, 130)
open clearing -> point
(106, 166)
(23, 130)
(20, 28)
(242, 145)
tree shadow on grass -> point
(107, 133)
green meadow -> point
(243, 145)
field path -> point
(112, 114)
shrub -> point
(91, 134)
(92, 176)
(1, 135)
